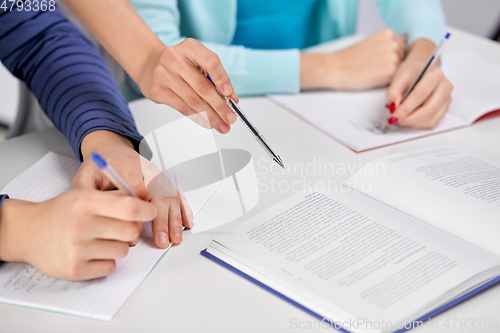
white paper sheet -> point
(354, 118)
(450, 187)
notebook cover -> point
(423, 318)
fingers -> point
(420, 93)
(115, 206)
(175, 220)
(167, 226)
(433, 122)
(401, 41)
(429, 115)
(207, 91)
(209, 62)
(235, 97)
(160, 223)
(140, 226)
(398, 87)
(433, 110)
(106, 249)
(204, 91)
(141, 191)
(178, 103)
(89, 177)
(187, 212)
(112, 229)
(94, 269)
(182, 73)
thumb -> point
(89, 178)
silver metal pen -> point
(258, 136)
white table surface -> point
(189, 293)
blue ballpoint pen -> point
(258, 136)
(432, 59)
(112, 175)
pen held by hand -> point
(257, 135)
(428, 65)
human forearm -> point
(13, 214)
(171, 75)
(66, 74)
(119, 28)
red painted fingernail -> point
(387, 105)
(392, 107)
(392, 120)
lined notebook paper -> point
(22, 284)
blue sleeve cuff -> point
(2, 197)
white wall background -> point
(481, 17)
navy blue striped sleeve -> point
(66, 73)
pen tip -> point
(278, 160)
(385, 129)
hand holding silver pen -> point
(258, 136)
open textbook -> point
(356, 118)
(22, 284)
(379, 258)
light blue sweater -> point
(257, 72)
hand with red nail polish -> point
(392, 120)
(392, 107)
(427, 104)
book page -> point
(22, 284)
(476, 83)
(450, 187)
(368, 260)
(356, 118)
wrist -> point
(147, 72)
(315, 71)
(93, 141)
(421, 49)
(14, 243)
